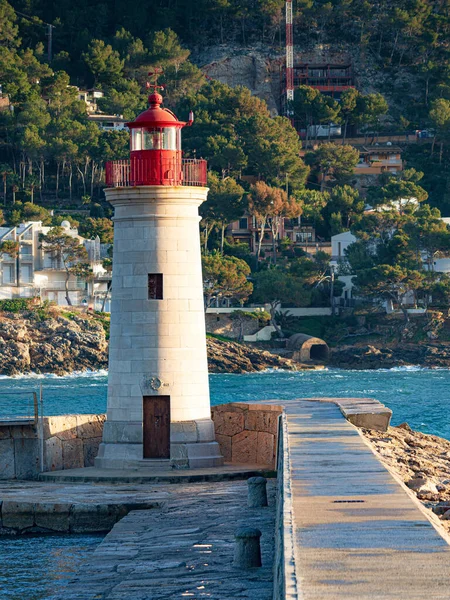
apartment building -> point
(301, 235)
(106, 122)
(35, 272)
(379, 158)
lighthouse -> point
(158, 392)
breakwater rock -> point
(421, 461)
(371, 357)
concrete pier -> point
(341, 526)
(356, 532)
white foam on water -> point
(73, 375)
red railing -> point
(156, 171)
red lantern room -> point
(156, 145)
(155, 151)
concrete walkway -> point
(357, 533)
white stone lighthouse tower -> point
(158, 392)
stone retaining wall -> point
(247, 433)
(50, 517)
(70, 441)
(62, 516)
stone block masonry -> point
(69, 442)
(247, 433)
(157, 354)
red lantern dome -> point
(156, 145)
(155, 152)
(155, 115)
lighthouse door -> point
(156, 426)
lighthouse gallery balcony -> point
(156, 170)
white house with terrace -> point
(35, 272)
(341, 241)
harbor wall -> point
(246, 433)
(56, 443)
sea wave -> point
(405, 368)
(74, 375)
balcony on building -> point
(378, 159)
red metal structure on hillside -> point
(289, 58)
(330, 78)
(155, 151)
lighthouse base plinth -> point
(192, 446)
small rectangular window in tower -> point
(155, 286)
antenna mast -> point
(289, 59)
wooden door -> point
(156, 426)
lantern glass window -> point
(136, 139)
(152, 139)
(170, 138)
(166, 138)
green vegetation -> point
(394, 255)
(10, 247)
(51, 153)
(104, 320)
(15, 306)
(225, 277)
(221, 338)
(52, 156)
(43, 311)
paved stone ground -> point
(37, 492)
(183, 551)
(151, 474)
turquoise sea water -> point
(35, 568)
(419, 396)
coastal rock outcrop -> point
(230, 357)
(62, 344)
(56, 344)
(422, 462)
(371, 357)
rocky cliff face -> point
(61, 345)
(54, 345)
(260, 69)
(251, 69)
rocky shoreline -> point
(371, 357)
(421, 461)
(230, 357)
(56, 344)
(64, 342)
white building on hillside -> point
(339, 243)
(35, 272)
